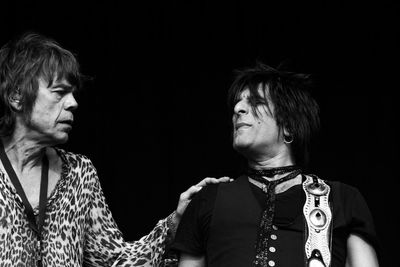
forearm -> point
(105, 243)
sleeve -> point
(361, 222)
(104, 243)
(193, 229)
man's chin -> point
(62, 139)
(241, 147)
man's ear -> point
(286, 132)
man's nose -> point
(241, 107)
(71, 103)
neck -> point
(279, 160)
(23, 153)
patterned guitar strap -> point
(318, 222)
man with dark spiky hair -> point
(275, 214)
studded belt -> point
(318, 218)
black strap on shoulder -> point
(36, 226)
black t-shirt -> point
(350, 215)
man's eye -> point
(257, 101)
(61, 92)
(261, 102)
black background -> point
(154, 119)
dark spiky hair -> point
(294, 108)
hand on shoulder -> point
(187, 196)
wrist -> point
(177, 215)
(173, 222)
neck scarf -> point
(261, 258)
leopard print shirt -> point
(79, 229)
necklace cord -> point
(35, 225)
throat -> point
(24, 154)
(31, 186)
(276, 179)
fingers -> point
(225, 179)
(187, 195)
(211, 180)
(196, 188)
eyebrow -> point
(63, 86)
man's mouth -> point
(241, 125)
(68, 122)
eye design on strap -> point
(318, 218)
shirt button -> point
(272, 249)
(271, 263)
(273, 237)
